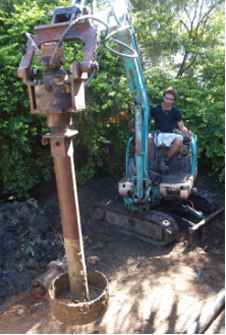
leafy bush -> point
(104, 127)
(20, 149)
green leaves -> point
(24, 163)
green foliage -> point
(178, 34)
(103, 128)
(24, 163)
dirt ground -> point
(153, 290)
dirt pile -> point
(30, 237)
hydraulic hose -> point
(71, 24)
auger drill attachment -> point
(58, 94)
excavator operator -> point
(167, 117)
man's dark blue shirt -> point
(165, 121)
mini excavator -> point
(155, 203)
(149, 199)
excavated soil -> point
(152, 290)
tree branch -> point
(187, 13)
(192, 62)
(185, 26)
(182, 66)
(206, 16)
(195, 14)
(201, 9)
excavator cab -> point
(175, 184)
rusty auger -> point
(57, 95)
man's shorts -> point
(165, 139)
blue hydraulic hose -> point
(127, 155)
(194, 155)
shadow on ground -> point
(152, 290)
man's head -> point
(169, 97)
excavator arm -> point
(122, 35)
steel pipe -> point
(62, 152)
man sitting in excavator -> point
(167, 117)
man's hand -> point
(188, 133)
(184, 130)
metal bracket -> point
(60, 142)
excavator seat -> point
(178, 181)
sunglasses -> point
(168, 98)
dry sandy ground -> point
(152, 290)
(154, 294)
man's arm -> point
(185, 130)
